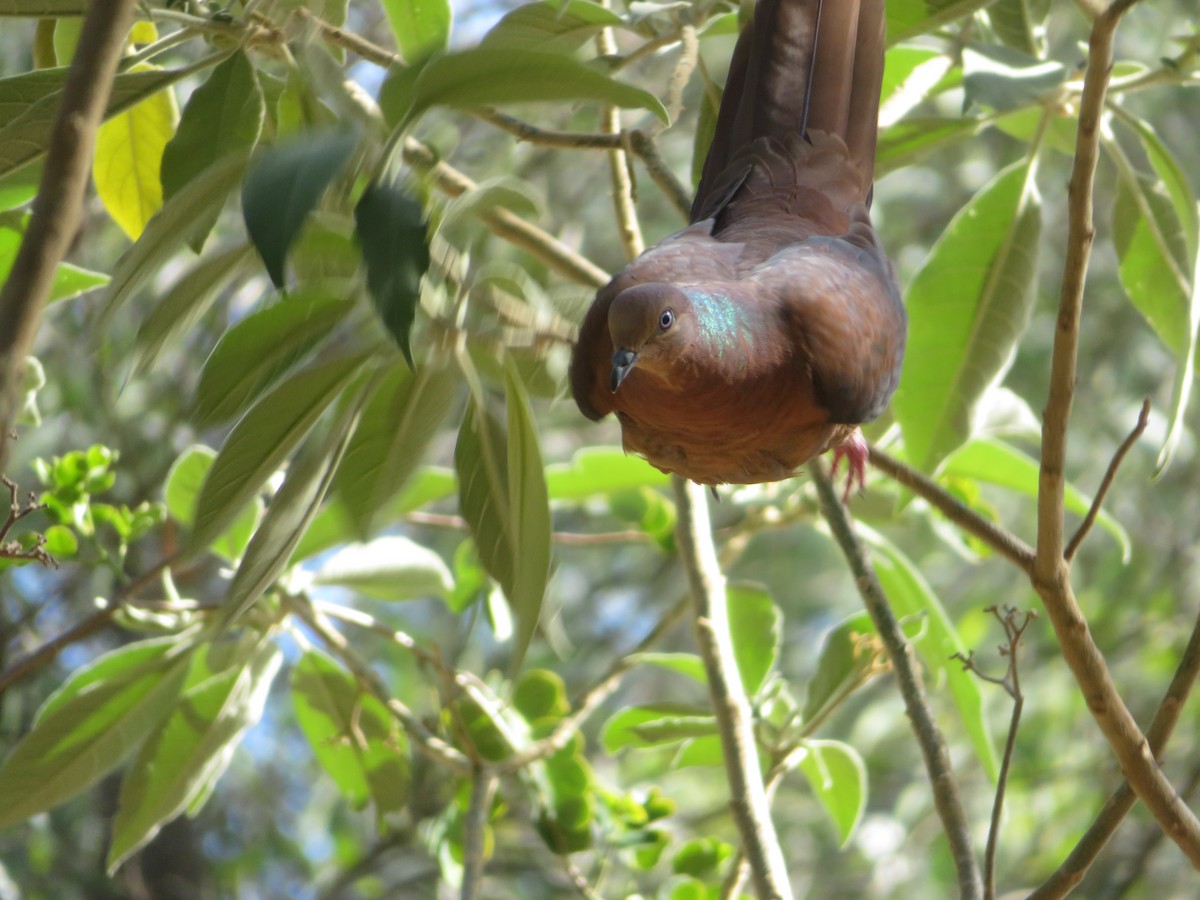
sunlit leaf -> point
(552, 24)
(387, 568)
(838, 777)
(421, 27)
(908, 18)
(756, 628)
(600, 470)
(69, 280)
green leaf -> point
(29, 107)
(1002, 79)
(224, 115)
(182, 490)
(601, 470)
(69, 280)
(915, 137)
(706, 126)
(91, 724)
(908, 18)
(391, 228)
(175, 224)
(910, 595)
(399, 423)
(540, 694)
(529, 506)
(388, 568)
(493, 76)
(995, 462)
(755, 627)
(967, 307)
(182, 306)
(688, 664)
(352, 734)
(846, 663)
(19, 187)
(260, 348)
(264, 437)
(293, 507)
(561, 25)
(838, 777)
(193, 746)
(626, 727)
(283, 186)
(421, 27)
(1018, 23)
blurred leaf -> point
(540, 694)
(968, 306)
(910, 595)
(177, 312)
(909, 74)
(838, 777)
(182, 490)
(995, 462)
(292, 508)
(1019, 24)
(391, 228)
(700, 857)
(387, 568)
(352, 734)
(846, 662)
(224, 115)
(91, 724)
(264, 437)
(128, 155)
(175, 224)
(255, 351)
(421, 27)
(49, 8)
(908, 18)
(756, 628)
(560, 25)
(399, 423)
(193, 746)
(600, 470)
(913, 138)
(282, 187)
(69, 280)
(688, 664)
(1001, 78)
(663, 722)
(489, 75)
(706, 127)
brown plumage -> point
(764, 333)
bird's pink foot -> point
(854, 451)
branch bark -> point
(748, 798)
(929, 736)
(1051, 577)
(58, 208)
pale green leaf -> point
(388, 568)
(838, 777)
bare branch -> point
(929, 737)
(1109, 476)
(483, 787)
(1051, 576)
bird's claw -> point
(854, 451)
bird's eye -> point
(667, 319)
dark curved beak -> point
(623, 362)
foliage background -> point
(276, 824)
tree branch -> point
(929, 737)
(483, 787)
(748, 799)
(58, 208)
(1051, 576)
(1075, 866)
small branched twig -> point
(1011, 682)
(1109, 477)
(16, 512)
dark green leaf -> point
(283, 186)
(224, 115)
(391, 228)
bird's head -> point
(648, 324)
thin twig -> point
(1011, 682)
(1051, 576)
(58, 207)
(348, 40)
(16, 512)
(735, 724)
(929, 737)
(1003, 542)
(1109, 476)
(1075, 866)
(620, 171)
(483, 786)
